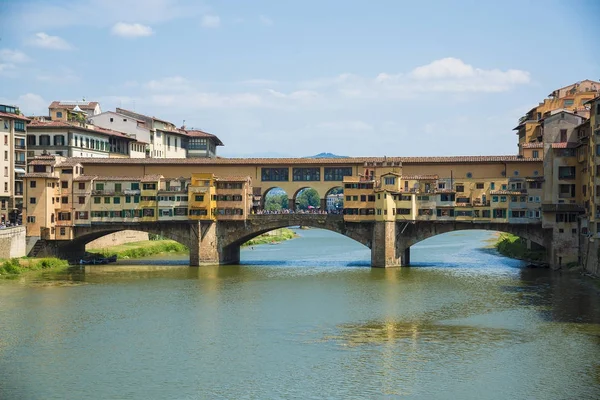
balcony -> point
(20, 147)
(21, 162)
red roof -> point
(71, 125)
(69, 105)
(14, 116)
(199, 133)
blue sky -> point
(278, 78)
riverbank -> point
(141, 249)
(280, 235)
(515, 247)
(17, 266)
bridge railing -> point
(297, 216)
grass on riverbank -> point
(281, 236)
(17, 266)
(515, 247)
(142, 249)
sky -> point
(281, 78)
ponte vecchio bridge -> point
(390, 204)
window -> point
(135, 186)
(536, 154)
(32, 184)
(390, 180)
(81, 215)
(460, 188)
(107, 200)
(568, 103)
(44, 140)
(64, 200)
(494, 199)
(30, 140)
(149, 186)
(6, 186)
(441, 185)
(199, 197)
(566, 172)
(447, 197)
(306, 174)
(563, 135)
(502, 199)
(64, 216)
(20, 126)
(5, 155)
(5, 171)
(337, 173)
(116, 200)
(535, 185)
(64, 184)
(59, 114)
(275, 174)
(97, 200)
(197, 144)
(31, 220)
(492, 185)
(479, 186)
(59, 140)
(81, 186)
(32, 200)
(148, 212)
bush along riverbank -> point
(142, 249)
(280, 235)
(515, 247)
(17, 266)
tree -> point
(308, 197)
(276, 202)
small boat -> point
(97, 260)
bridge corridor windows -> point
(337, 173)
(275, 174)
(306, 174)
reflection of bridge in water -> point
(218, 242)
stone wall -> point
(117, 238)
(590, 252)
(12, 242)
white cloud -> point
(29, 104)
(168, 84)
(13, 56)
(6, 67)
(211, 21)
(45, 41)
(131, 30)
(266, 21)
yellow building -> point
(202, 199)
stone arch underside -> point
(180, 232)
(235, 234)
(409, 234)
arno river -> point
(305, 319)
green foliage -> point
(336, 190)
(308, 197)
(515, 247)
(276, 202)
(282, 235)
(15, 266)
(142, 249)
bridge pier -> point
(205, 247)
(384, 252)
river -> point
(305, 319)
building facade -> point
(13, 150)
(78, 111)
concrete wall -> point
(12, 242)
(117, 238)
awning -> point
(20, 171)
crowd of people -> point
(4, 225)
(289, 211)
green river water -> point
(304, 319)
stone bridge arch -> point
(237, 233)
(411, 233)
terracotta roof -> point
(151, 178)
(69, 162)
(233, 179)
(310, 161)
(84, 105)
(37, 161)
(199, 133)
(14, 116)
(533, 145)
(84, 178)
(117, 178)
(40, 175)
(391, 173)
(70, 125)
(420, 177)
